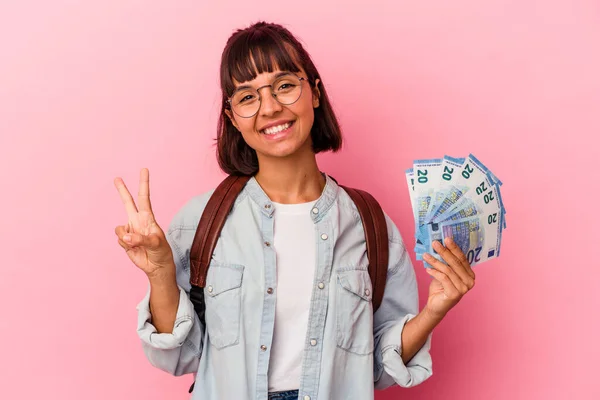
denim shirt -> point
(348, 350)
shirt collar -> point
(322, 205)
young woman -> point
(288, 295)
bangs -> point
(254, 53)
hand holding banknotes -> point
(451, 280)
(456, 202)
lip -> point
(279, 135)
(275, 123)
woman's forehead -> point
(266, 77)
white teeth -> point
(275, 129)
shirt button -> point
(210, 289)
(263, 347)
(367, 292)
(313, 342)
(324, 236)
(306, 397)
(321, 285)
(267, 206)
(270, 290)
(315, 211)
(267, 244)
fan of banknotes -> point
(458, 198)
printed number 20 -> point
(467, 172)
(473, 255)
(447, 175)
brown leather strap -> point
(211, 223)
(375, 227)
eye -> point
(285, 86)
(244, 98)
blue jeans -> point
(287, 395)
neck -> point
(291, 180)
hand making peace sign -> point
(143, 240)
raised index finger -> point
(126, 198)
(452, 260)
(458, 253)
(144, 191)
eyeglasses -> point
(286, 89)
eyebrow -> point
(279, 75)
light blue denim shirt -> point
(348, 351)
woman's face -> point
(263, 132)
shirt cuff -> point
(183, 323)
(389, 360)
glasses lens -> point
(287, 89)
(245, 102)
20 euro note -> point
(487, 207)
(426, 178)
(465, 204)
(477, 239)
(476, 227)
(426, 175)
(482, 172)
(473, 177)
(448, 172)
(410, 181)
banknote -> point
(409, 173)
(483, 219)
(458, 198)
(449, 171)
(426, 179)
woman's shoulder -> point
(188, 215)
(346, 204)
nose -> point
(268, 104)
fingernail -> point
(127, 238)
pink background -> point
(94, 90)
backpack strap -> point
(211, 223)
(376, 235)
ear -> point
(316, 94)
(232, 119)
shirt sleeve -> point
(400, 304)
(177, 352)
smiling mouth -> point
(276, 129)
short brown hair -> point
(263, 47)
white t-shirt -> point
(295, 249)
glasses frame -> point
(257, 90)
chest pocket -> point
(223, 296)
(354, 295)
